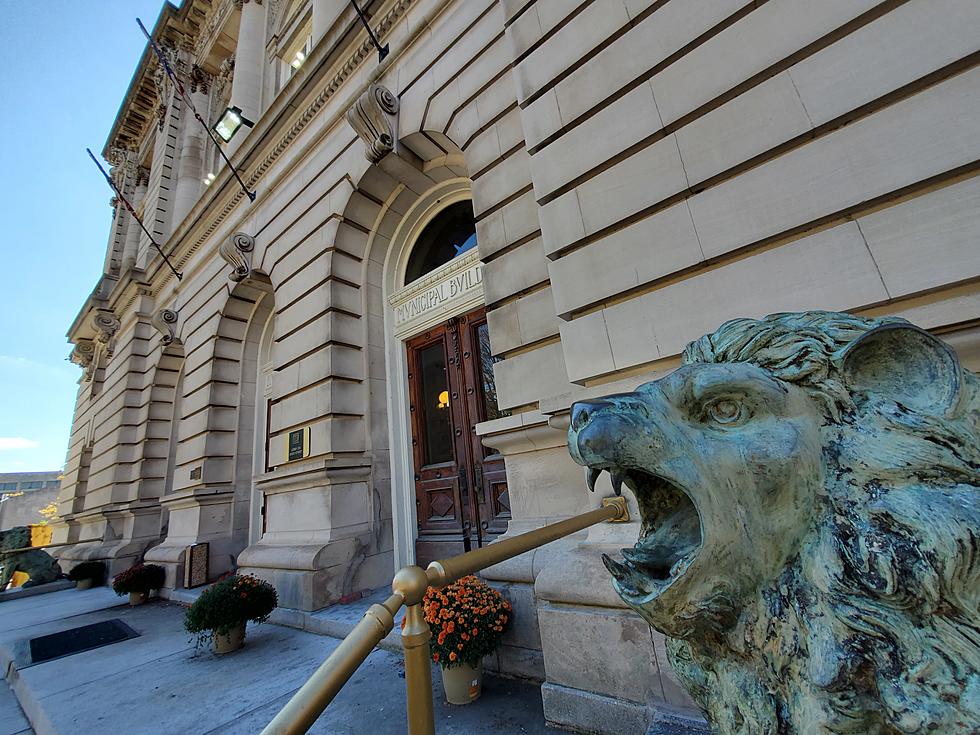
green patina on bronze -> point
(38, 565)
(808, 485)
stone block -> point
(586, 346)
(605, 650)
(512, 222)
(654, 247)
(752, 123)
(585, 31)
(523, 631)
(503, 180)
(515, 271)
(768, 34)
(875, 59)
(927, 242)
(522, 321)
(585, 711)
(613, 129)
(525, 378)
(898, 146)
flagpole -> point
(132, 211)
(190, 105)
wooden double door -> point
(460, 485)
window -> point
(8, 487)
(32, 485)
(53, 483)
(449, 235)
(293, 58)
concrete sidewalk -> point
(159, 683)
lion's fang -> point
(591, 475)
(617, 482)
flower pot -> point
(463, 684)
(230, 641)
(137, 598)
(83, 584)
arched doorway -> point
(438, 316)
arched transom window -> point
(450, 234)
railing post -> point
(418, 672)
(411, 583)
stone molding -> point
(374, 118)
(165, 322)
(303, 476)
(235, 250)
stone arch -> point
(211, 486)
(159, 422)
(391, 203)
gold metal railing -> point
(408, 587)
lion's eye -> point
(724, 411)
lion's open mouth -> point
(670, 536)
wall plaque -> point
(196, 473)
(196, 565)
(298, 444)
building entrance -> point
(460, 485)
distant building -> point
(24, 494)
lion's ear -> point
(905, 364)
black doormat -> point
(76, 640)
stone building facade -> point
(341, 382)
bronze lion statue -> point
(808, 486)
(38, 565)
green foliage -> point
(140, 578)
(94, 570)
(228, 602)
(467, 620)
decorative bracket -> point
(235, 251)
(83, 355)
(106, 325)
(165, 322)
(374, 118)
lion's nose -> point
(582, 412)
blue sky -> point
(64, 68)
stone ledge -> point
(587, 712)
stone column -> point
(246, 84)
(325, 13)
(190, 169)
(133, 230)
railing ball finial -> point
(410, 583)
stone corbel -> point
(165, 322)
(374, 118)
(83, 355)
(106, 325)
(235, 250)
